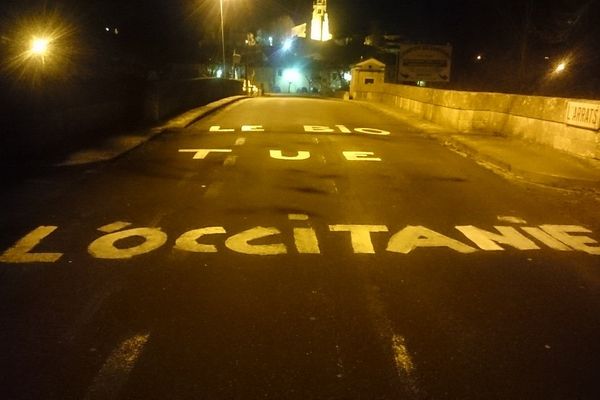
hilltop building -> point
(319, 26)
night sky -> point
(502, 30)
(466, 21)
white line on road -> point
(116, 369)
(240, 141)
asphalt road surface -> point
(296, 248)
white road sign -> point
(423, 62)
(584, 115)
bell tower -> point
(319, 27)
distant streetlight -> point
(291, 76)
(222, 35)
(287, 45)
(560, 67)
(39, 46)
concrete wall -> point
(534, 118)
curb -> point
(531, 176)
(189, 117)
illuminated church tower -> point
(319, 27)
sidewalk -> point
(533, 162)
(121, 144)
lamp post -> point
(223, 39)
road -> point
(297, 248)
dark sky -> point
(464, 23)
(411, 17)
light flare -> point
(39, 46)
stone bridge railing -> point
(565, 124)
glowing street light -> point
(39, 46)
(291, 76)
(287, 45)
(223, 36)
(560, 67)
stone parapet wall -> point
(534, 118)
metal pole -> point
(223, 39)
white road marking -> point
(298, 217)
(104, 246)
(306, 241)
(144, 240)
(217, 128)
(229, 161)
(252, 128)
(317, 129)
(241, 242)
(343, 129)
(372, 131)
(189, 240)
(21, 251)
(511, 219)
(200, 154)
(548, 240)
(486, 240)
(300, 155)
(360, 156)
(581, 243)
(113, 375)
(412, 237)
(360, 236)
(240, 141)
(115, 226)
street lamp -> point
(223, 37)
(39, 48)
(560, 67)
(287, 45)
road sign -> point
(584, 115)
(424, 62)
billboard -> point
(424, 62)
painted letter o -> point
(104, 246)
